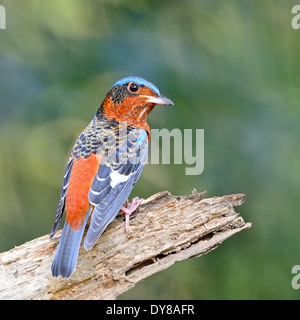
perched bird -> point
(104, 165)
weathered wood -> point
(165, 229)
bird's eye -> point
(133, 87)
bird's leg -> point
(128, 208)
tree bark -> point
(164, 229)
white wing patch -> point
(117, 178)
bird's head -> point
(131, 99)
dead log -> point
(165, 229)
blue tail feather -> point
(65, 259)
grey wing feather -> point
(63, 193)
(112, 186)
(109, 207)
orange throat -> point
(134, 114)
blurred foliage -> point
(231, 67)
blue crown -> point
(139, 81)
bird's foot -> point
(128, 208)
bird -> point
(103, 167)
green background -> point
(231, 67)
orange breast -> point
(77, 203)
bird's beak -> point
(160, 100)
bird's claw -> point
(128, 208)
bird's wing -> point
(63, 193)
(112, 186)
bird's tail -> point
(65, 259)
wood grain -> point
(165, 229)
